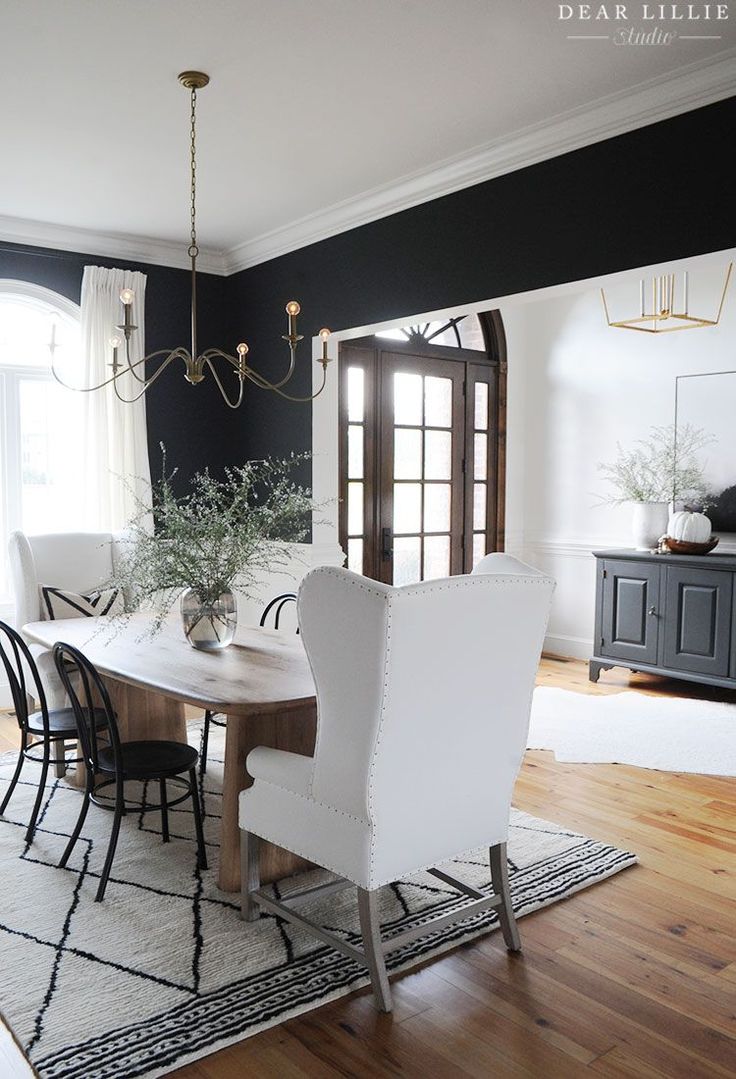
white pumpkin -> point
(689, 527)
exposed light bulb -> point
(242, 348)
(116, 341)
(127, 295)
(292, 308)
(324, 333)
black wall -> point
(190, 420)
(659, 193)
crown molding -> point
(694, 85)
(17, 230)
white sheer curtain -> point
(116, 449)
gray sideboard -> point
(666, 614)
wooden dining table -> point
(261, 682)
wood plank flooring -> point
(633, 977)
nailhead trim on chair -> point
(324, 865)
(390, 594)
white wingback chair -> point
(423, 695)
(74, 561)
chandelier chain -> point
(193, 249)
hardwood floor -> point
(633, 977)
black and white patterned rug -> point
(164, 972)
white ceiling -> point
(311, 103)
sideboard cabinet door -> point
(630, 609)
(697, 634)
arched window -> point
(41, 424)
(422, 447)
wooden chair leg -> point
(370, 927)
(164, 811)
(39, 796)
(197, 811)
(250, 875)
(500, 880)
(60, 758)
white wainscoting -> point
(571, 563)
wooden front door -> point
(419, 441)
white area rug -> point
(671, 733)
(163, 972)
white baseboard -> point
(575, 647)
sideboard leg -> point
(594, 670)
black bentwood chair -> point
(40, 731)
(113, 762)
(279, 602)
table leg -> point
(142, 715)
(293, 730)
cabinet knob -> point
(652, 610)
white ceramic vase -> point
(648, 523)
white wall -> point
(576, 388)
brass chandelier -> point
(664, 294)
(194, 361)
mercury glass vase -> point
(209, 626)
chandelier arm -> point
(263, 383)
(266, 385)
(212, 353)
(223, 391)
(260, 380)
(132, 366)
(289, 373)
(176, 354)
(171, 354)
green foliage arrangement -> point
(219, 535)
(660, 467)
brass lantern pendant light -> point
(197, 363)
(662, 296)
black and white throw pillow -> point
(58, 603)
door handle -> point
(652, 611)
(386, 544)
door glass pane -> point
(479, 547)
(481, 406)
(479, 505)
(437, 507)
(407, 398)
(356, 390)
(438, 402)
(436, 557)
(355, 509)
(355, 452)
(406, 560)
(437, 455)
(407, 454)
(355, 555)
(407, 507)
(481, 457)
